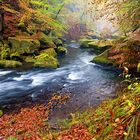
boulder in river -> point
(61, 50)
(97, 46)
(10, 63)
(103, 59)
(46, 41)
(47, 59)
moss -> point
(61, 50)
(5, 51)
(95, 45)
(15, 43)
(50, 52)
(1, 44)
(1, 113)
(47, 41)
(103, 59)
(100, 43)
(138, 67)
(58, 42)
(10, 63)
(110, 117)
(45, 60)
(24, 45)
(84, 42)
(15, 55)
(30, 59)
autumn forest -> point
(69, 69)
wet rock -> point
(23, 45)
(61, 50)
(46, 41)
(58, 42)
(96, 46)
(10, 63)
(103, 59)
(47, 59)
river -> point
(87, 83)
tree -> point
(31, 16)
(125, 14)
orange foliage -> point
(76, 132)
(28, 123)
(10, 25)
(127, 54)
(24, 124)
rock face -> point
(123, 53)
(61, 50)
(47, 59)
(10, 63)
(103, 59)
(40, 51)
(22, 46)
(95, 45)
(46, 41)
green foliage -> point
(103, 59)
(61, 50)
(117, 118)
(10, 63)
(1, 113)
(12, 138)
(47, 59)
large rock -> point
(103, 59)
(84, 42)
(58, 42)
(61, 50)
(47, 59)
(50, 52)
(46, 41)
(44, 60)
(4, 51)
(23, 45)
(100, 43)
(10, 63)
(95, 45)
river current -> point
(87, 83)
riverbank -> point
(116, 118)
(113, 119)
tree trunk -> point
(1, 24)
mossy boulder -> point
(15, 56)
(58, 42)
(61, 50)
(4, 51)
(50, 52)
(103, 59)
(29, 59)
(45, 60)
(46, 41)
(84, 43)
(10, 63)
(96, 45)
(23, 45)
(100, 43)
(99, 46)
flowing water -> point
(88, 83)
